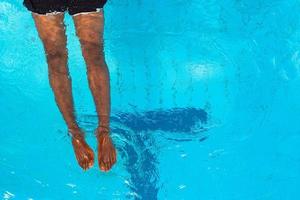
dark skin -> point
(89, 29)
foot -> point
(106, 149)
(84, 154)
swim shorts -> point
(72, 6)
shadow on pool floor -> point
(179, 124)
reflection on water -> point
(137, 145)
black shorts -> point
(72, 6)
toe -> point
(85, 164)
(102, 165)
(90, 161)
(81, 163)
(112, 160)
(114, 155)
(107, 165)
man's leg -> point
(89, 29)
(51, 31)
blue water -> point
(205, 104)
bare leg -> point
(51, 31)
(89, 29)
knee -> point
(57, 59)
(56, 56)
(93, 52)
(54, 49)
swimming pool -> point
(205, 103)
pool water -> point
(205, 104)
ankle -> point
(103, 120)
(73, 127)
(102, 130)
(76, 132)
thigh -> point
(51, 30)
(89, 27)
